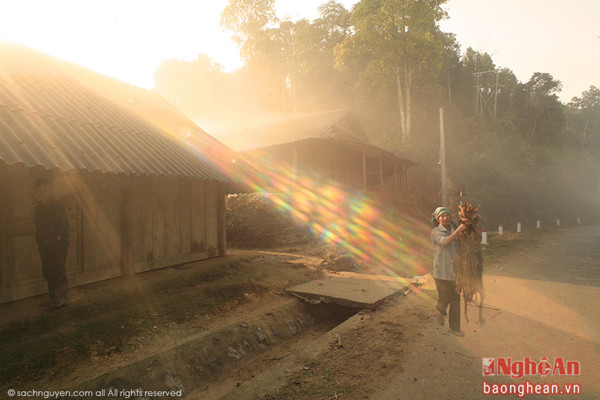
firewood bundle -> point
(469, 264)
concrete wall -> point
(119, 225)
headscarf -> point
(438, 211)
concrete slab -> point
(358, 291)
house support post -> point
(395, 176)
(295, 163)
(221, 229)
(364, 170)
(380, 173)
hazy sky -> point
(128, 39)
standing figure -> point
(443, 237)
(52, 238)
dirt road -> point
(542, 301)
(547, 299)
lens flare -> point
(356, 224)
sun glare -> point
(353, 223)
(125, 40)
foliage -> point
(186, 83)
(253, 221)
(517, 153)
(246, 19)
(394, 46)
(546, 119)
(583, 116)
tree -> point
(291, 61)
(543, 83)
(333, 86)
(246, 19)
(393, 45)
(308, 50)
(195, 87)
(590, 99)
(584, 118)
(480, 80)
(488, 93)
(547, 121)
(296, 54)
(451, 66)
(333, 26)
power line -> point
(534, 31)
(514, 28)
(494, 24)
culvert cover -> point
(364, 292)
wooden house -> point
(143, 186)
(330, 147)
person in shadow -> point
(52, 238)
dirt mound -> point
(115, 323)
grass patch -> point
(502, 246)
(28, 357)
(59, 340)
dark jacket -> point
(50, 221)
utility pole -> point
(443, 158)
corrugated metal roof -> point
(338, 126)
(58, 115)
(330, 125)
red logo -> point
(488, 366)
(520, 368)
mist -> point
(513, 147)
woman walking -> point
(443, 237)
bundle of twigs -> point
(469, 264)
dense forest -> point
(511, 146)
